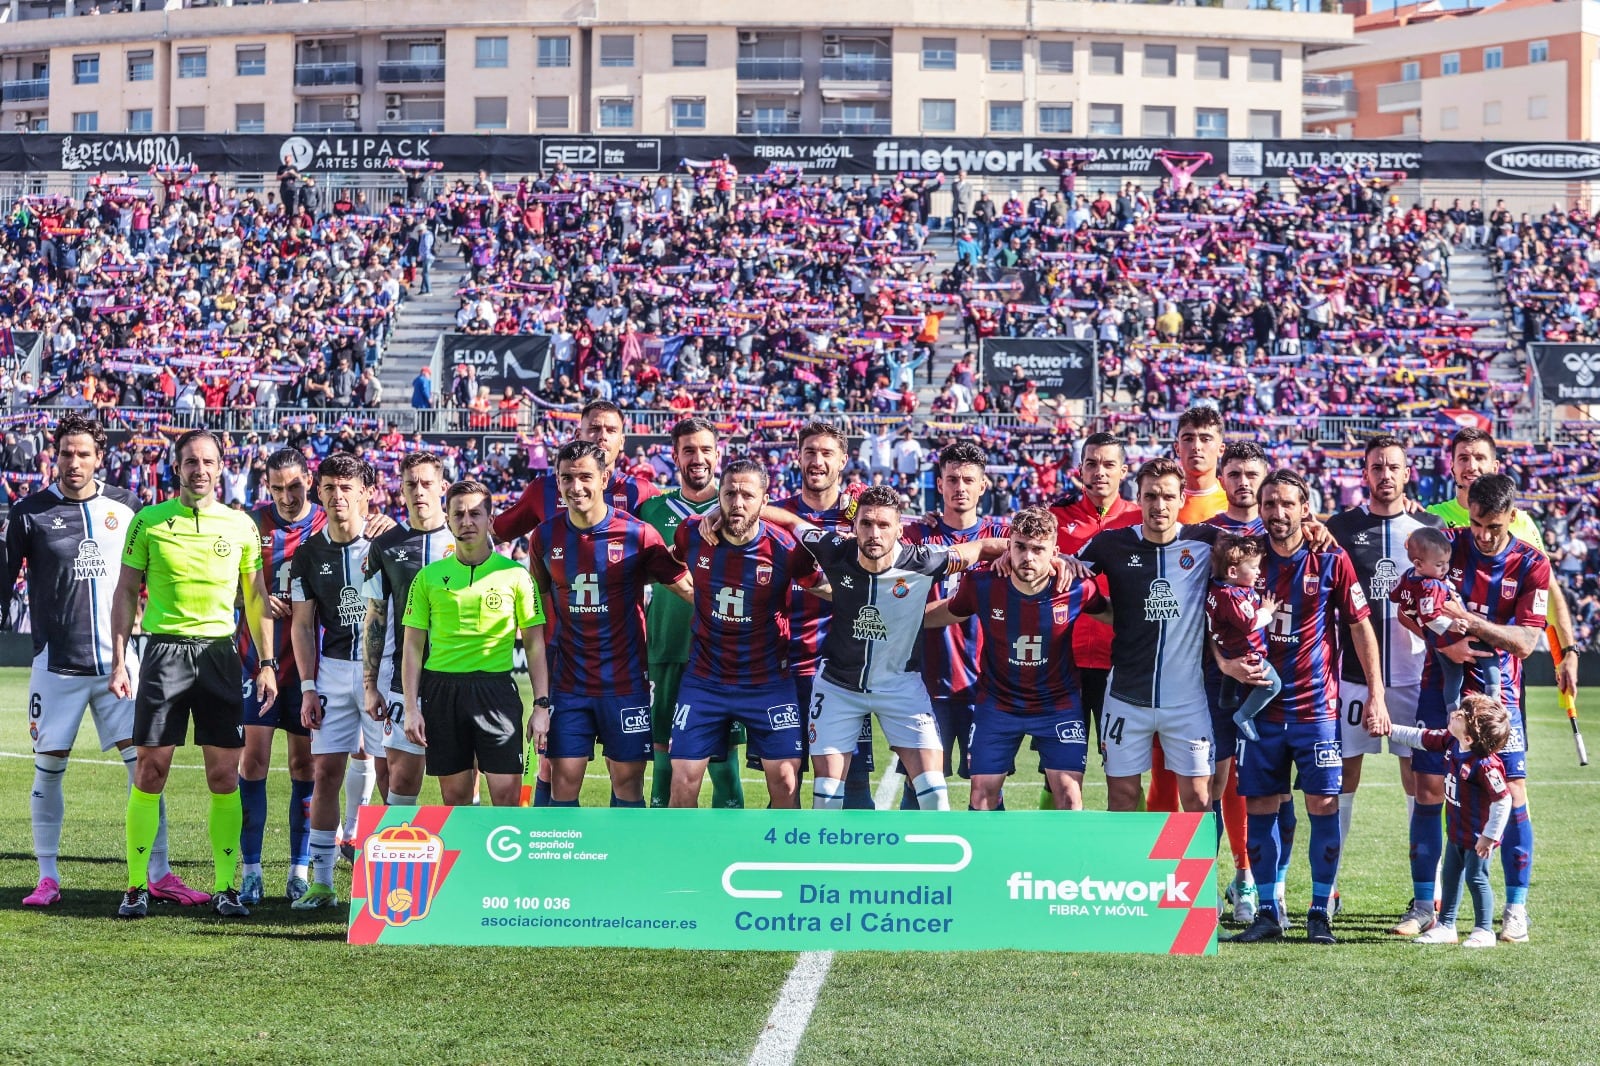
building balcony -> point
(326, 127)
(858, 69)
(1320, 92)
(777, 69)
(19, 92)
(856, 127)
(405, 72)
(411, 125)
(326, 75)
(1397, 96)
(762, 126)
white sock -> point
(297, 870)
(324, 850)
(827, 793)
(360, 778)
(1517, 908)
(397, 799)
(159, 866)
(1411, 807)
(931, 792)
(47, 808)
(1244, 878)
(248, 868)
(1347, 810)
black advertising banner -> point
(1059, 367)
(1568, 373)
(519, 360)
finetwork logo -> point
(1024, 886)
(888, 156)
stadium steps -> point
(416, 332)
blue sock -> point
(908, 797)
(253, 797)
(1427, 844)
(299, 822)
(1000, 800)
(541, 794)
(561, 803)
(1516, 855)
(617, 801)
(858, 786)
(1287, 824)
(1324, 858)
(1263, 843)
(1216, 820)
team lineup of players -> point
(667, 627)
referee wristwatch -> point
(267, 664)
(542, 701)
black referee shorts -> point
(184, 676)
(471, 719)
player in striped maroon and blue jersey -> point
(592, 564)
(1300, 728)
(741, 618)
(1028, 683)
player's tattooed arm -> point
(374, 630)
(1518, 640)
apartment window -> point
(616, 51)
(1105, 120)
(1538, 51)
(938, 53)
(689, 113)
(250, 61)
(1161, 61)
(688, 50)
(1411, 71)
(1005, 116)
(492, 53)
(141, 120)
(1105, 57)
(1158, 122)
(489, 113)
(1494, 58)
(1266, 64)
(1267, 125)
(1450, 118)
(1055, 118)
(1055, 57)
(616, 113)
(1538, 107)
(1211, 122)
(1491, 113)
(192, 119)
(938, 116)
(1450, 64)
(192, 63)
(250, 118)
(557, 51)
(1005, 55)
(85, 121)
(1211, 64)
(141, 66)
(550, 112)
(86, 70)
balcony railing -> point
(1400, 96)
(856, 127)
(1321, 92)
(16, 92)
(411, 125)
(857, 68)
(342, 126)
(315, 75)
(405, 72)
(775, 69)
(768, 125)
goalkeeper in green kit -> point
(696, 452)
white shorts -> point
(339, 690)
(56, 703)
(1185, 731)
(394, 727)
(839, 716)
(1352, 706)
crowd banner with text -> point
(519, 360)
(786, 880)
(1058, 366)
(1568, 373)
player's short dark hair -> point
(1200, 416)
(1158, 468)
(744, 466)
(466, 487)
(1427, 538)
(1472, 435)
(197, 434)
(74, 425)
(287, 459)
(1230, 550)
(1382, 441)
(573, 451)
(1243, 451)
(818, 428)
(600, 407)
(878, 496)
(1492, 494)
(686, 427)
(1106, 440)
(1284, 476)
(962, 453)
(1488, 723)
(416, 459)
(1035, 523)
(345, 465)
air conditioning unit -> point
(353, 100)
(748, 37)
(393, 100)
(352, 112)
(832, 50)
(391, 114)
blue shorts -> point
(620, 723)
(705, 710)
(1224, 730)
(1431, 715)
(1311, 747)
(1062, 740)
(863, 762)
(954, 716)
(284, 713)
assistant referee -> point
(191, 554)
(463, 616)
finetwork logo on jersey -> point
(1161, 605)
(352, 153)
(91, 563)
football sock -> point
(1263, 843)
(908, 797)
(541, 795)
(1324, 848)
(397, 799)
(253, 802)
(858, 787)
(300, 824)
(618, 801)
(1233, 821)
(727, 791)
(1000, 800)
(1047, 800)
(223, 828)
(159, 864)
(1347, 809)
(932, 792)
(553, 802)
(1427, 844)
(1287, 825)
(1516, 855)
(827, 793)
(47, 808)
(324, 851)
(360, 778)
(660, 780)
(143, 818)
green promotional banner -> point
(786, 880)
